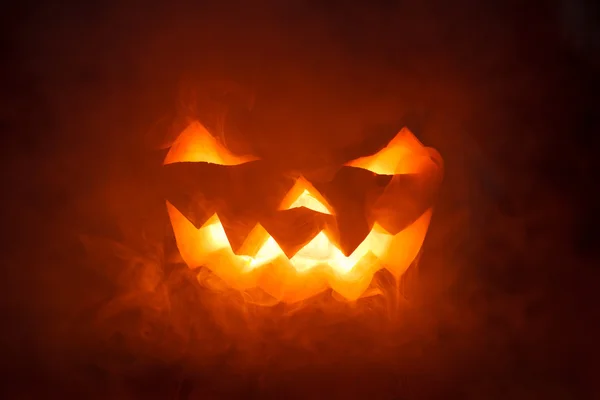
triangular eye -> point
(196, 144)
(403, 155)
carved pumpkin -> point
(257, 226)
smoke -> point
(98, 304)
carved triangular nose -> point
(303, 194)
(309, 201)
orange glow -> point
(304, 195)
(319, 264)
(405, 154)
(196, 144)
(292, 280)
(320, 250)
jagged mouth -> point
(319, 250)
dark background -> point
(506, 91)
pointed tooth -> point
(237, 228)
(351, 193)
(293, 229)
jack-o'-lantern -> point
(255, 225)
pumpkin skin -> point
(258, 225)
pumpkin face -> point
(294, 234)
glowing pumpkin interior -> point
(319, 264)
